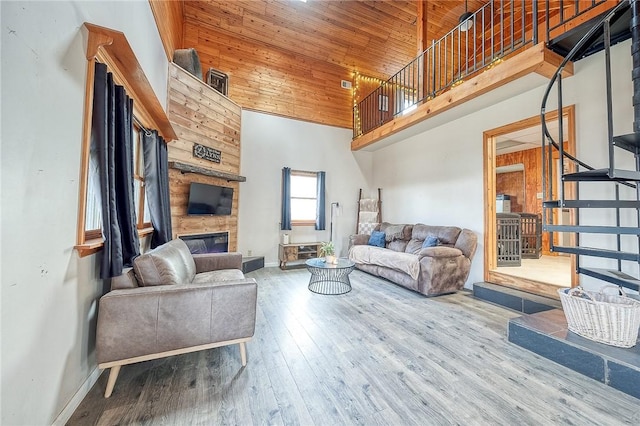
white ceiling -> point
(528, 138)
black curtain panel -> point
(156, 179)
(285, 218)
(112, 134)
(125, 192)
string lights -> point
(494, 63)
(369, 80)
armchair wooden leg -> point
(243, 353)
(113, 376)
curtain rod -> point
(139, 123)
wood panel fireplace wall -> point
(201, 115)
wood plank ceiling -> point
(288, 57)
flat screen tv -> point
(209, 199)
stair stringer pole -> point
(634, 27)
(635, 54)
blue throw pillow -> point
(430, 241)
(376, 239)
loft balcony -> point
(495, 54)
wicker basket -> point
(610, 319)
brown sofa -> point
(431, 271)
(173, 302)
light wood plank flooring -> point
(554, 270)
(379, 355)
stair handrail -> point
(558, 73)
(604, 21)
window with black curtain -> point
(112, 140)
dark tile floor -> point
(546, 334)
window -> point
(142, 208)
(117, 55)
(304, 201)
(93, 219)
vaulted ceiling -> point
(376, 38)
(292, 57)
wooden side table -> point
(296, 252)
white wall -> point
(436, 177)
(270, 143)
(49, 294)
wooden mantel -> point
(189, 168)
(535, 60)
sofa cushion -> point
(126, 280)
(396, 232)
(358, 239)
(403, 262)
(377, 239)
(170, 263)
(446, 234)
(218, 275)
(439, 251)
(430, 241)
(467, 243)
(414, 246)
(397, 245)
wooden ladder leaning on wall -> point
(369, 213)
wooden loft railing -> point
(497, 30)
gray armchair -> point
(173, 302)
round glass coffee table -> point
(330, 278)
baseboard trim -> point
(77, 398)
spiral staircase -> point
(607, 228)
(617, 236)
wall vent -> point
(345, 84)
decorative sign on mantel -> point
(206, 153)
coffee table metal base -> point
(329, 280)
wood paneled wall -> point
(199, 114)
(267, 79)
(532, 160)
(169, 17)
(512, 184)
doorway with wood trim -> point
(516, 251)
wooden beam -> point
(111, 47)
(537, 59)
(422, 18)
(169, 17)
(188, 168)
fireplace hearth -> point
(217, 242)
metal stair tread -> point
(612, 276)
(593, 229)
(602, 175)
(630, 142)
(593, 204)
(563, 43)
(597, 252)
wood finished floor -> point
(379, 355)
(554, 270)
